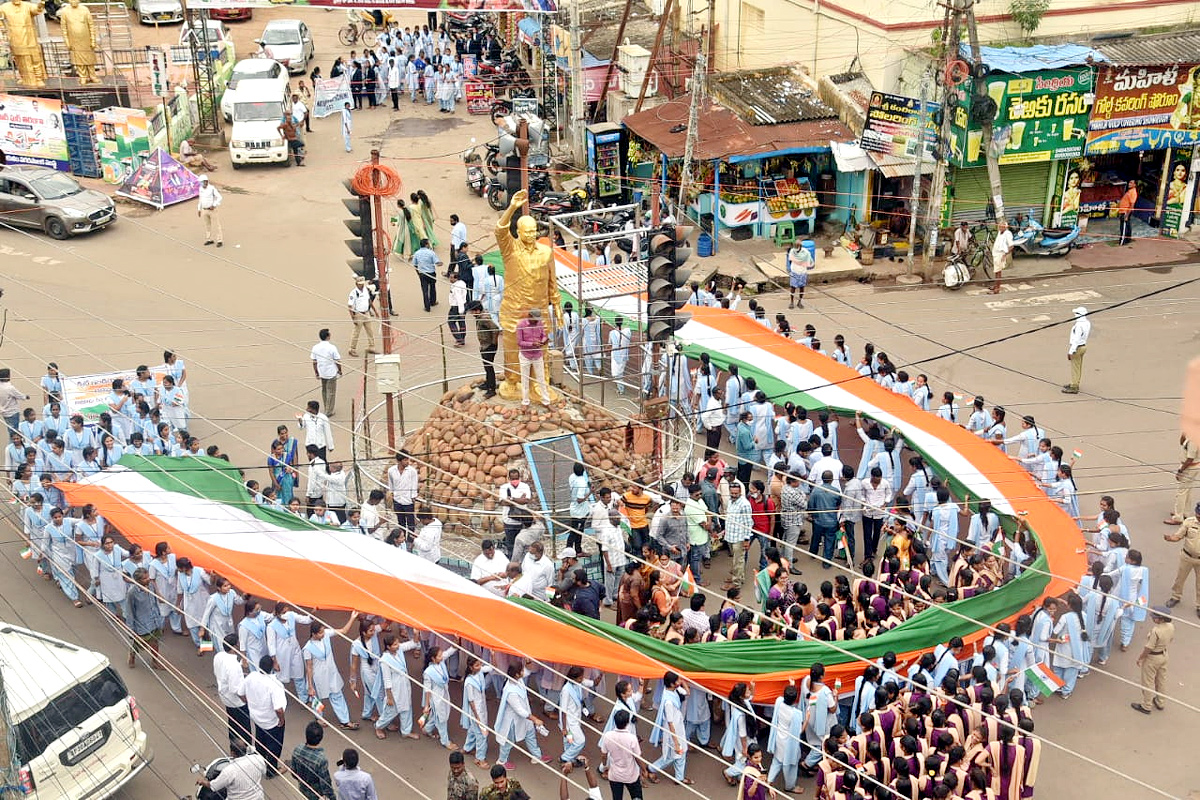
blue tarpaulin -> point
(1034, 57)
(531, 27)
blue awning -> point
(531, 27)
(1034, 57)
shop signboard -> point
(1041, 116)
(31, 131)
(480, 97)
(1145, 108)
(1177, 191)
(494, 6)
(894, 123)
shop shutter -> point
(1024, 189)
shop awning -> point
(895, 167)
(530, 29)
(724, 136)
(1038, 56)
(849, 157)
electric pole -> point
(915, 200)
(576, 62)
(951, 35)
(693, 131)
(979, 91)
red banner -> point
(1145, 108)
(499, 6)
(480, 97)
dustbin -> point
(704, 245)
(811, 247)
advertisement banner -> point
(470, 65)
(1177, 191)
(330, 95)
(31, 131)
(893, 126)
(1068, 209)
(1145, 108)
(480, 97)
(87, 395)
(494, 6)
(1041, 116)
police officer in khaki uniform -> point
(1189, 558)
(1153, 660)
(1186, 476)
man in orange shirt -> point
(1125, 212)
(635, 504)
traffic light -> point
(362, 226)
(668, 280)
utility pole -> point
(658, 37)
(576, 62)
(612, 61)
(980, 91)
(387, 333)
(693, 129)
(951, 34)
(915, 199)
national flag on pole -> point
(1042, 679)
(687, 583)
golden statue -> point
(529, 282)
(79, 31)
(21, 28)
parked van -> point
(257, 112)
(76, 725)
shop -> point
(1039, 122)
(748, 180)
(1144, 127)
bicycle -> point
(979, 249)
(357, 31)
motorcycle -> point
(506, 72)
(210, 773)
(957, 273)
(1031, 239)
(475, 176)
(552, 203)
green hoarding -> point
(1041, 116)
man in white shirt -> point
(458, 236)
(317, 470)
(371, 514)
(1076, 347)
(428, 544)
(540, 568)
(267, 702)
(241, 779)
(514, 497)
(362, 309)
(300, 113)
(231, 688)
(489, 567)
(519, 584)
(1001, 252)
(209, 202)
(317, 430)
(327, 366)
(403, 483)
(825, 462)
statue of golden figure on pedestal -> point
(79, 31)
(529, 282)
(20, 25)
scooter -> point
(210, 773)
(1033, 240)
(475, 175)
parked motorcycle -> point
(505, 73)
(1031, 239)
(957, 273)
(475, 176)
(552, 203)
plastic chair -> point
(785, 233)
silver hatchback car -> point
(36, 197)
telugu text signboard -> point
(31, 131)
(87, 395)
(1145, 108)
(1041, 116)
(480, 97)
(894, 123)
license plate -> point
(84, 744)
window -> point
(753, 25)
(69, 710)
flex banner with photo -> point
(495, 6)
(1145, 108)
(330, 95)
(1177, 191)
(31, 132)
(87, 395)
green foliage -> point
(1028, 13)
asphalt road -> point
(243, 318)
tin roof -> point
(723, 134)
(770, 96)
(1159, 48)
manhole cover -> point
(415, 126)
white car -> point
(155, 12)
(288, 41)
(219, 36)
(249, 71)
(255, 136)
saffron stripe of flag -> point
(1042, 679)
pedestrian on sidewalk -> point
(426, 263)
(1185, 476)
(393, 83)
(362, 311)
(347, 126)
(1076, 347)
(457, 318)
(1001, 253)
(489, 341)
(799, 262)
(1189, 558)
(300, 112)
(327, 366)
(209, 202)
(1125, 207)
(458, 239)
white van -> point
(257, 112)
(76, 725)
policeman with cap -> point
(1153, 660)
(1189, 557)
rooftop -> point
(770, 96)
(1161, 48)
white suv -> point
(247, 72)
(288, 41)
